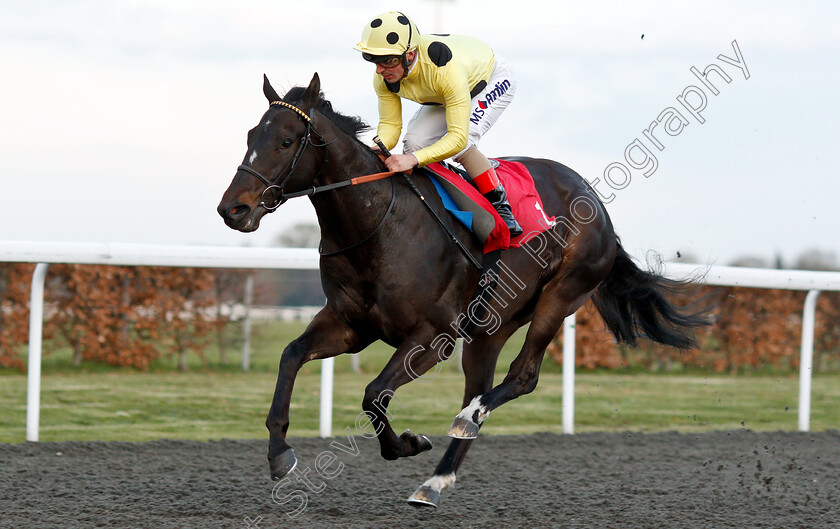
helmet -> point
(390, 33)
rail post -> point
(569, 374)
(33, 375)
(806, 359)
(327, 369)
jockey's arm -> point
(455, 89)
(390, 128)
(390, 116)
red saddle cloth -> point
(524, 202)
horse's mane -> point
(352, 125)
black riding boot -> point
(498, 198)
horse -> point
(391, 274)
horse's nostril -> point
(239, 211)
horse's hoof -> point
(463, 429)
(419, 443)
(424, 497)
(282, 464)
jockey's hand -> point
(401, 162)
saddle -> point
(475, 212)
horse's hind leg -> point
(479, 361)
(325, 337)
(560, 297)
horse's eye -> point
(286, 143)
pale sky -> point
(124, 120)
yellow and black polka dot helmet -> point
(390, 33)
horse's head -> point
(281, 157)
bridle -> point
(273, 188)
(305, 141)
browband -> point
(292, 107)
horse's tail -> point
(632, 303)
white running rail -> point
(46, 253)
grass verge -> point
(202, 406)
(214, 401)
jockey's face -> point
(394, 74)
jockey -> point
(463, 87)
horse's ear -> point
(312, 93)
(269, 92)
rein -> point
(271, 186)
(314, 190)
(378, 226)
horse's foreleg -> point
(411, 360)
(559, 299)
(326, 336)
(479, 362)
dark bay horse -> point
(390, 273)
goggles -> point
(388, 61)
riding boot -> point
(498, 198)
(488, 184)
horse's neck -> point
(349, 214)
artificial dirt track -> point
(713, 480)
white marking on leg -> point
(475, 405)
(252, 158)
(438, 483)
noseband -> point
(274, 191)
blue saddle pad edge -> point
(465, 217)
